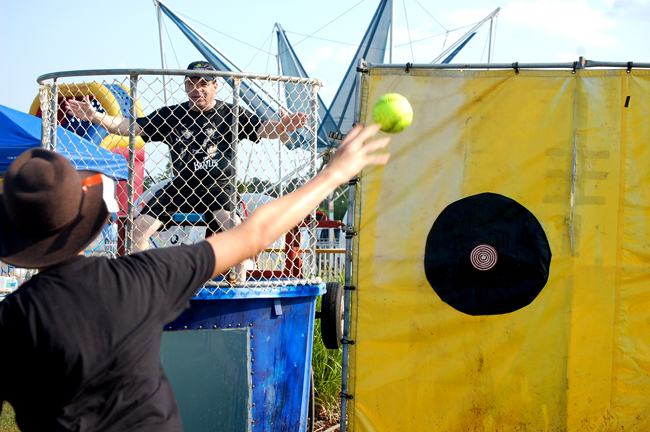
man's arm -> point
(83, 110)
(270, 221)
(281, 129)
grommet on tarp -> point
(354, 181)
(575, 66)
(349, 287)
(408, 67)
(347, 396)
(347, 341)
(629, 66)
(515, 66)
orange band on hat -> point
(91, 181)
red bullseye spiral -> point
(484, 257)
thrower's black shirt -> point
(200, 142)
(80, 342)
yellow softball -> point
(393, 112)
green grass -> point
(8, 419)
(326, 365)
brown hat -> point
(49, 211)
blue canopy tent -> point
(20, 132)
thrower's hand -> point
(353, 155)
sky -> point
(39, 37)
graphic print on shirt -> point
(202, 151)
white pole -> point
(465, 36)
(392, 23)
(162, 50)
(281, 161)
(489, 60)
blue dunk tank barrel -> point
(240, 359)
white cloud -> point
(463, 17)
(426, 45)
(630, 9)
(572, 19)
(344, 55)
(314, 58)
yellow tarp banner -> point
(573, 149)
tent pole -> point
(162, 50)
(466, 35)
(489, 59)
(280, 85)
(392, 24)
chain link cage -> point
(188, 173)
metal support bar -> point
(489, 59)
(54, 111)
(177, 72)
(232, 275)
(392, 25)
(465, 36)
(130, 187)
(162, 51)
(623, 65)
(347, 299)
(568, 65)
(357, 100)
(313, 129)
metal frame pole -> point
(130, 188)
(162, 51)
(489, 59)
(313, 116)
(465, 36)
(349, 235)
(44, 91)
(54, 111)
(392, 24)
(232, 275)
(281, 86)
(347, 300)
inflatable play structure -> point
(501, 264)
(114, 100)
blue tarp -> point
(20, 132)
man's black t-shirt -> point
(80, 342)
(200, 141)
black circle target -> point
(487, 254)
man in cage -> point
(199, 133)
(80, 341)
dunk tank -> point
(240, 358)
(501, 263)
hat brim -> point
(205, 77)
(25, 251)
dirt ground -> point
(325, 420)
